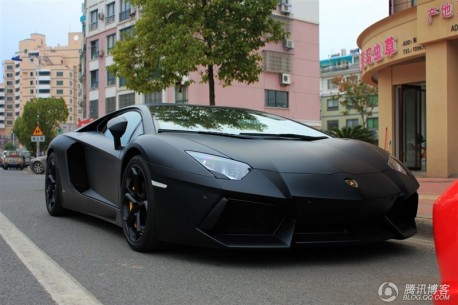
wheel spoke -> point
(135, 204)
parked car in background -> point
(38, 165)
(12, 158)
(27, 156)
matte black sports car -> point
(228, 177)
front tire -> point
(137, 207)
(53, 188)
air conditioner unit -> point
(286, 79)
(133, 12)
(289, 44)
(101, 53)
(101, 16)
(285, 8)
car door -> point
(103, 161)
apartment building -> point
(344, 65)
(288, 86)
(9, 100)
(40, 71)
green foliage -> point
(216, 38)
(10, 146)
(356, 132)
(357, 96)
(48, 113)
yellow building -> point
(412, 56)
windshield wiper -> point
(285, 136)
(213, 133)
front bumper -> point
(269, 210)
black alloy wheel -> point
(137, 209)
(53, 189)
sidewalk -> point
(430, 189)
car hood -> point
(325, 156)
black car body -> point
(228, 177)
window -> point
(94, 49)
(110, 13)
(44, 73)
(126, 32)
(332, 124)
(181, 95)
(122, 82)
(126, 100)
(9, 67)
(277, 99)
(373, 100)
(94, 109)
(372, 123)
(60, 74)
(60, 83)
(332, 85)
(352, 122)
(9, 74)
(332, 104)
(94, 20)
(60, 91)
(111, 78)
(94, 79)
(124, 10)
(44, 91)
(111, 39)
(44, 82)
(110, 104)
(153, 97)
(277, 62)
(134, 127)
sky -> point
(340, 22)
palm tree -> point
(355, 132)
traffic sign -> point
(38, 138)
(37, 132)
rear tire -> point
(137, 207)
(53, 188)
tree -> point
(47, 113)
(219, 39)
(356, 95)
(356, 132)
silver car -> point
(38, 165)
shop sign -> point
(445, 11)
(374, 54)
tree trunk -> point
(211, 85)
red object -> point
(81, 123)
(445, 224)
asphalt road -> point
(77, 259)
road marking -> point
(61, 286)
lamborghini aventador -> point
(228, 177)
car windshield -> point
(229, 121)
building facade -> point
(40, 71)
(9, 100)
(288, 86)
(332, 117)
(412, 56)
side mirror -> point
(117, 127)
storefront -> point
(412, 56)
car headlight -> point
(398, 166)
(229, 168)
